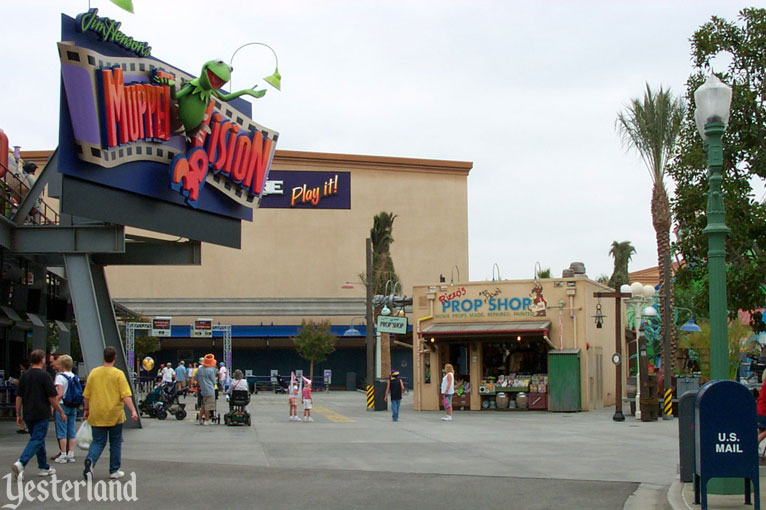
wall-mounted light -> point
(518, 338)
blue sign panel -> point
(287, 189)
(726, 444)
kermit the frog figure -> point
(194, 96)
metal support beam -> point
(80, 239)
(96, 324)
(158, 253)
(111, 330)
(226, 330)
(130, 342)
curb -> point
(676, 497)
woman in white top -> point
(447, 390)
(239, 382)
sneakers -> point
(447, 418)
(87, 473)
(70, 457)
(117, 474)
(310, 419)
(18, 470)
(61, 458)
(46, 472)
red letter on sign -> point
(188, 175)
(114, 106)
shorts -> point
(66, 430)
(761, 420)
(447, 401)
(293, 401)
(208, 403)
(306, 403)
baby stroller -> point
(168, 402)
(238, 414)
(148, 406)
(280, 386)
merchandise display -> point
(514, 391)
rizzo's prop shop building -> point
(514, 345)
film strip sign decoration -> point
(222, 183)
(80, 68)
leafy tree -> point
(603, 278)
(314, 342)
(738, 336)
(146, 345)
(622, 253)
(543, 273)
(744, 167)
(651, 126)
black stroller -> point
(280, 386)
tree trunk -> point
(661, 221)
(385, 355)
(311, 371)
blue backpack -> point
(73, 396)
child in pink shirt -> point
(307, 402)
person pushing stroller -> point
(206, 379)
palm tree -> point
(382, 264)
(383, 270)
(622, 253)
(651, 126)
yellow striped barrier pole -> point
(668, 405)
(370, 398)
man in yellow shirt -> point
(106, 390)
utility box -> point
(564, 380)
(350, 381)
(380, 396)
(686, 435)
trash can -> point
(350, 381)
(380, 396)
(251, 384)
(686, 435)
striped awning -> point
(487, 328)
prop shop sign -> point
(307, 190)
(469, 302)
(133, 122)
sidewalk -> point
(681, 497)
(535, 460)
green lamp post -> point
(713, 100)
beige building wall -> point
(289, 253)
(570, 309)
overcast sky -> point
(527, 91)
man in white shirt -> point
(168, 374)
(223, 377)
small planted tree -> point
(314, 342)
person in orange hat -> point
(206, 376)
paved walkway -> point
(352, 458)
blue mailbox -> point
(725, 441)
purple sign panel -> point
(286, 189)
